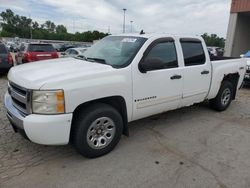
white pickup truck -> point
(89, 100)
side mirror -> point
(151, 64)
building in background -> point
(238, 34)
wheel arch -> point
(117, 102)
(234, 79)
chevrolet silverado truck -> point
(89, 100)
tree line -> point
(214, 40)
(13, 25)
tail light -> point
(55, 55)
(27, 57)
(10, 59)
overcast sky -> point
(170, 16)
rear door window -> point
(3, 50)
(193, 52)
(41, 48)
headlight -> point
(48, 102)
(248, 67)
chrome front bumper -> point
(14, 115)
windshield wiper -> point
(91, 59)
(98, 60)
(81, 57)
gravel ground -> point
(191, 147)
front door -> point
(157, 90)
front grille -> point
(21, 91)
(22, 105)
(20, 97)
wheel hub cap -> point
(225, 97)
(100, 133)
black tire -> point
(81, 125)
(217, 103)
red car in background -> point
(30, 52)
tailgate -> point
(37, 56)
(41, 52)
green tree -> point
(49, 26)
(20, 26)
(61, 29)
(213, 40)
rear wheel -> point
(224, 97)
(96, 130)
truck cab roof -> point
(158, 35)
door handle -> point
(176, 77)
(205, 72)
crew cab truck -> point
(89, 100)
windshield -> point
(117, 51)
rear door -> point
(196, 72)
(159, 90)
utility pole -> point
(74, 25)
(131, 28)
(30, 28)
(1, 21)
(124, 12)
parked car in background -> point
(6, 61)
(215, 51)
(30, 52)
(64, 47)
(57, 46)
(12, 46)
(73, 52)
(82, 45)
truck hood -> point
(36, 74)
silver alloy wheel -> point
(226, 97)
(101, 132)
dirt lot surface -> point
(192, 147)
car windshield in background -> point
(117, 51)
(83, 50)
(41, 48)
(3, 50)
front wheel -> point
(224, 97)
(96, 130)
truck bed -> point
(227, 66)
(222, 58)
